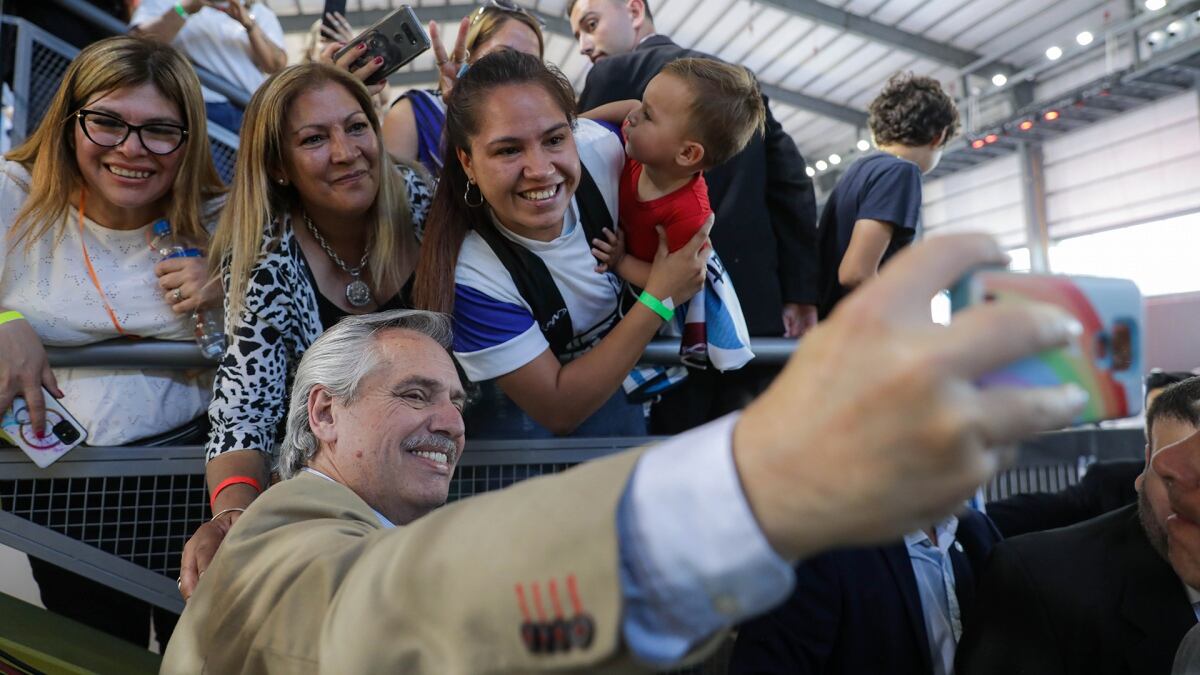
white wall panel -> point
(987, 198)
(1143, 165)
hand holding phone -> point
(60, 433)
(25, 368)
(1105, 360)
(396, 39)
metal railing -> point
(124, 353)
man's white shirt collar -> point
(382, 520)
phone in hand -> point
(397, 37)
(62, 431)
(1105, 360)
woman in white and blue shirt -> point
(520, 158)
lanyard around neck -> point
(112, 316)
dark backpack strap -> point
(593, 212)
(536, 286)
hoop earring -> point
(467, 195)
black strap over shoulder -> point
(532, 277)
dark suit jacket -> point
(859, 612)
(1091, 599)
(1105, 487)
(766, 212)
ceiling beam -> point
(878, 32)
(820, 106)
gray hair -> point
(338, 361)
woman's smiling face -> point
(127, 183)
(524, 160)
(331, 152)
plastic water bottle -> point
(209, 324)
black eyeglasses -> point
(506, 6)
(109, 131)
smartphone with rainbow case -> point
(1105, 360)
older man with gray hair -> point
(622, 564)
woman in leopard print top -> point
(319, 224)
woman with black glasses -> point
(122, 145)
(412, 129)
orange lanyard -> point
(92, 271)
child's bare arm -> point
(614, 112)
(636, 272)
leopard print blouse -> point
(278, 322)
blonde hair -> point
(312, 43)
(49, 155)
(489, 20)
(255, 201)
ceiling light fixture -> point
(1050, 115)
(864, 145)
(835, 159)
(999, 79)
(1155, 5)
(821, 165)
(1054, 53)
(1084, 39)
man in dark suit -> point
(863, 611)
(766, 213)
(1101, 597)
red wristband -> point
(232, 480)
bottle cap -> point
(162, 226)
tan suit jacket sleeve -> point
(307, 581)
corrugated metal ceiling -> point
(840, 52)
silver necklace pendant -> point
(358, 293)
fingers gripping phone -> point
(1105, 360)
(61, 433)
(397, 37)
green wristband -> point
(183, 14)
(656, 306)
(11, 315)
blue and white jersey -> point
(494, 329)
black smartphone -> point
(397, 37)
(332, 6)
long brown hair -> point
(49, 155)
(255, 200)
(450, 219)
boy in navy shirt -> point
(875, 210)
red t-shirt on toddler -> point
(681, 213)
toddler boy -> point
(694, 115)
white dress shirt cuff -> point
(699, 557)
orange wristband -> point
(232, 480)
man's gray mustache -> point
(433, 442)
